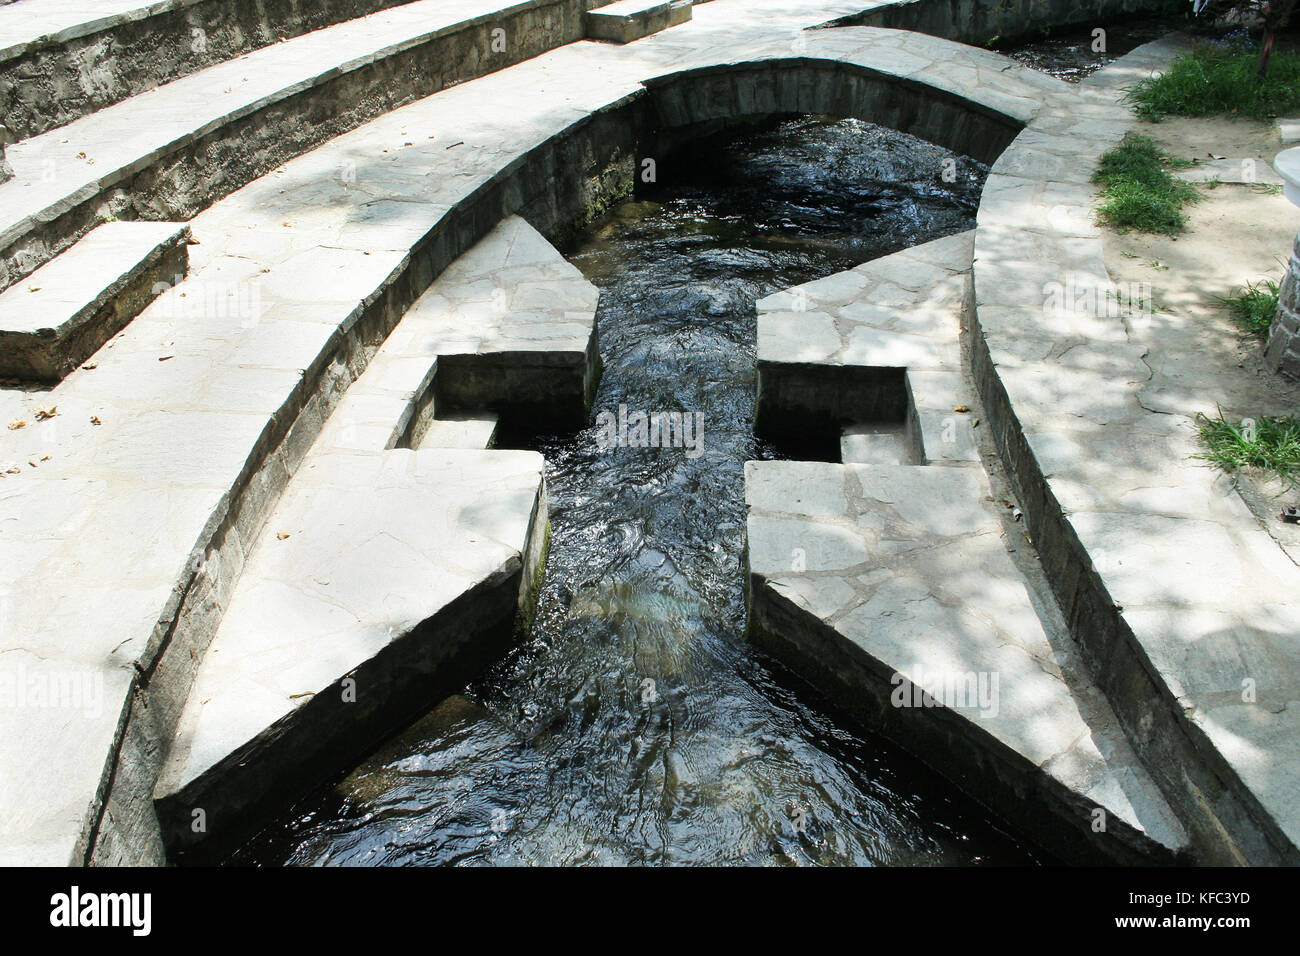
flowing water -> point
(1072, 53)
(636, 725)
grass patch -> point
(1211, 80)
(1269, 443)
(1137, 190)
(1255, 307)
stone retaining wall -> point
(979, 21)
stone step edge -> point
(195, 33)
(1041, 802)
(48, 354)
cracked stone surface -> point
(907, 563)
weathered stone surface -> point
(56, 319)
(899, 313)
(906, 572)
(72, 58)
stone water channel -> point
(635, 724)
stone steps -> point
(172, 151)
(514, 327)
(460, 431)
(61, 314)
(68, 58)
(629, 20)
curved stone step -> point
(1183, 604)
(170, 152)
(61, 314)
(61, 59)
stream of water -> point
(636, 724)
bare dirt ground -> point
(1200, 360)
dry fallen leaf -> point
(33, 288)
(44, 413)
(961, 408)
(94, 420)
(164, 358)
(16, 424)
(90, 365)
(282, 535)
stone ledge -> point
(198, 138)
(68, 58)
(62, 313)
(383, 582)
(880, 582)
(630, 20)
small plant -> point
(1137, 190)
(1269, 443)
(1213, 79)
(1255, 307)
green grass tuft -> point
(1211, 80)
(1137, 190)
(1269, 443)
(1255, 307)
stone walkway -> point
(1182, 602)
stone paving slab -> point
(63, 312)
(378, 576)
(906, 566)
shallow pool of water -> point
(636, 725)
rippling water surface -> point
(636, 725)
